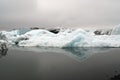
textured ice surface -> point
(65, 38)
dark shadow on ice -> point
(78, 54)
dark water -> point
(60, 64)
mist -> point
(59, 13)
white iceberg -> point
(67, 38)
(12, 36)
(64, 38)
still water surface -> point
(60, 64)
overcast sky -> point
(59, 13)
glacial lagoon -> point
(35, 63)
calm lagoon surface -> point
(32, 63)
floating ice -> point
(64, 38)
(116, 30)
(67, 38)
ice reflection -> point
(84, 53)
(78, 54)
(3, 52)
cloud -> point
(51, 13)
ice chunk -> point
(68, 38)
(13, 36)
(65, 38)
(116, 30)
(9, 36)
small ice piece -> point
(116, 30)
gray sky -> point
(60, 13)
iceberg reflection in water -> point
(78, 54)
(3, 52)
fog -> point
(59, 13)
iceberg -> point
(61, 38)
(12, 36)
(67, 38)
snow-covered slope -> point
(64, 38)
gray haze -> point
(58, 13)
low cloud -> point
(52, 13)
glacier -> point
(64, 38)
